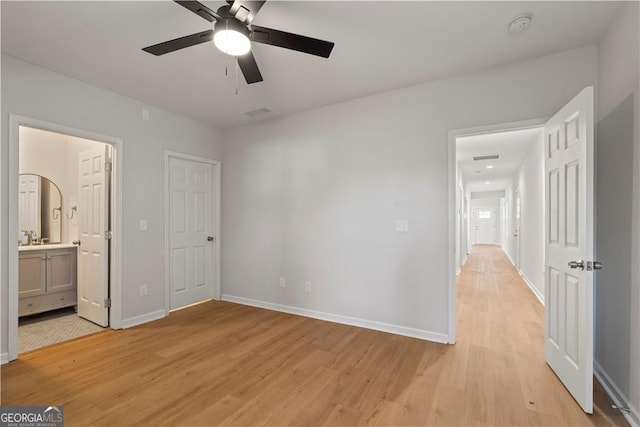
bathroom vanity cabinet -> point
(47, 278)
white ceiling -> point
(511, 146)
(380, 46)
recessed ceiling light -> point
(520, 23)
(487, 182)
(489, 166)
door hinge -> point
(107, 302)
(108, 234)
(108, 166)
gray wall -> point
(315, 196)
(617, 350)
(38, 93)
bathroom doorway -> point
(63, 210)
(66, 254)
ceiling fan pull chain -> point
(226, 60)
(236, 75)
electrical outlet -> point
(307, 287)
(283, 283)
(143, 290)
(143, 225)
(402, 225)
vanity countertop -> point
(45, 247)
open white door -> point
(568, 311)
(93, 282)
(517, 232)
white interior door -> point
(568, 311)
(504, 221)
(485, 219)
(93, 282)
(29, 210)
(517, 231)
(191, 251)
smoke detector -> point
(520, 23)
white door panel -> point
(569, 159)
(93, 195)
(191, 224)
(517, 231)
(485, 226)
(29, 203)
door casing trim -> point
(453, 135)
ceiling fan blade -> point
(199, 9)
(181, 43)
(249, 67)
(245, 10)
(291, 41)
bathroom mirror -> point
(40, 208)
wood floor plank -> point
(220, 363)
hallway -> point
(501, 335)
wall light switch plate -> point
(307, 287)
(143, 225)
(283, 283)
(402, 225)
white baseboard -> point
(143, 318)
(619, 399)
(346, 320)
(4, 358)
(508, 256)
(535, 290)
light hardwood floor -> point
(219, 363)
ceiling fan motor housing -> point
(231, 24)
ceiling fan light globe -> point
(232, 42)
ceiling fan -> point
(233, 33)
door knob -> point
(577, 264)
(211, 238)
(76, 242)
(594, 265)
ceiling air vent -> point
(492, 157)
(258, 112)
